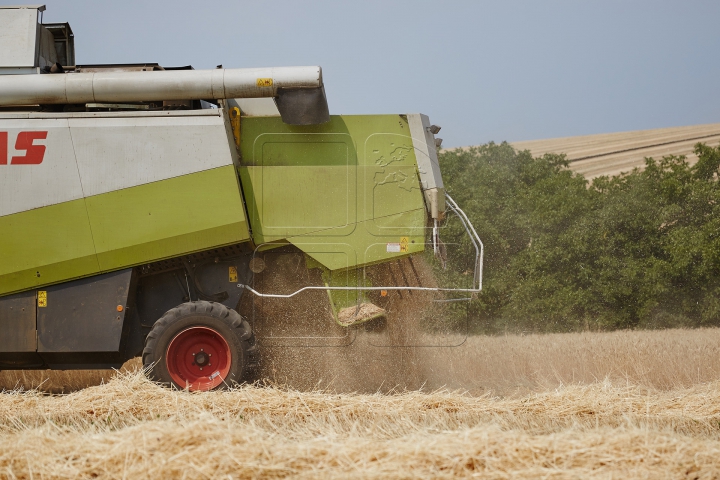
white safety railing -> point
(477, 275)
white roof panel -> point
(18, 36)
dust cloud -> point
(303, 348)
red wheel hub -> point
(198, 358)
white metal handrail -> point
(477, 276)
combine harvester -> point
(140, 205)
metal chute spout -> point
(303, 106)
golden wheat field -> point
(589, 405)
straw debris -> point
(619, 426)
(132, 428)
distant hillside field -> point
(614, 153)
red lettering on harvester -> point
(34, 153)
(3, 148)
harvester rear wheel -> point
(199, 346)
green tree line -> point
(640, 250)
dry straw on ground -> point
(591, 405)
(506, 365)
(130, 428)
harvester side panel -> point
(345, 192)
(84, 316)
(88, 193)
(17, 323)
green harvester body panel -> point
(150, 188)
(119, 229)
(345, 192)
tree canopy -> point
(641, 250)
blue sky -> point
(500, 70)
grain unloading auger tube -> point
(299, 92)
(364, 312)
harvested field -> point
(509, 365)
(131, 428)
(614, 153)
(589, 405)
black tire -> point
(224, 321)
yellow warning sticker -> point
(233, 274)
(264, 82)
(42, 298)
(404, 241)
